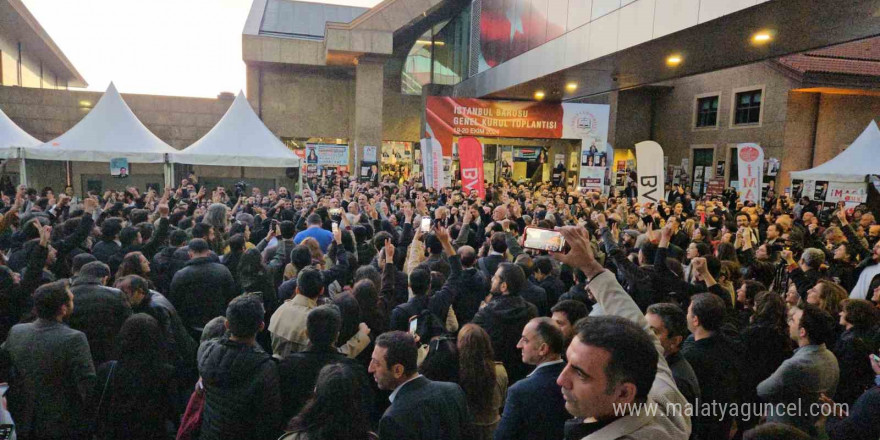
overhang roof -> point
(17, 22)
(854, 58)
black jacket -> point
(536, 295)
(856, 376)
(473, 288)
(200, 292)
(426, 410)
(504, 319)
(242, 394)
(535, 408)
(489, 264)
(181, 346)
(299, 371)
(139, 401)
(99, 312)
(104, 250)
(716, 363)
(554, 287)
(164, 265)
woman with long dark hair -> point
(135, 263)
(134, 396)
(483, 380)
(336, 412)
(254, 278)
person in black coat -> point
(853, 348)
(552, 285)
(201, 290)
(181, 348)
(504, 317)
(497, 248)
(420, 409)
(531, 292)
(167, 262)
(134, 396)
(109, 245)
(535, 408)
(298, 371)
(473, 286)
(99, 311)
(243, 398)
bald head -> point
(468, 256)
(500, 213)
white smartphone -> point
(426, 224)
(335, 226)
(543, 240)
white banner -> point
(432, 160)
(592, 179)
(751, 171)
(327, 154)
(447, 172)
(649, 168)
(849, 192)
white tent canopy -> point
(109, 131)
(854, 164)
(13, 137)
(239, 139)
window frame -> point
(696, 110)
(733, 100)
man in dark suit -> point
(535, 408)
(420, 408)
(100, 310)
(497, 247)
(48, 401)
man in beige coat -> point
(616, 383)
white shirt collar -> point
(394, 393)
(491, 252)
(545, 364)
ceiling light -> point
(762, 37)
(572, 86)
(673, 60)
(85, 104)
(539, 95)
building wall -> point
(842, 118)
(304, 102)
(675, 111)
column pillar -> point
(369, 90)
(799, 141)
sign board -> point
(119, 167)
(750, 168)
(856, 192)
(328, 154)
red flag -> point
(470, 155)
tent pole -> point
(22, 167)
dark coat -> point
(299, 371)
(554, 287)
(862, 423)
(242, 394)
(535, 409)
(504, 319)
(138, 402)
(766, 348)
(104, 250)
(164, 265)
(856, 376)
(473, 288)
(426, 410)
(99, 312)
(182, 347)
(489, 264)
(536, 295)
(200, 292)
(54, 375)
(715, 361)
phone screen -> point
(335, 226)
(426, 224)
(413, 325)
(544, 240)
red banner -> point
(470, 155)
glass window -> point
(707, 111)
(748, 108)
(439, 56)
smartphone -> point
(413, 324)
(335, 227)
(543, 239)
(426, 224)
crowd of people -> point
(379, 310)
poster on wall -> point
(119, 167)
(447, 171)
(719, 168)
(592, 179)
(820, 190)
(370, 153)
(750, 168)
(327, 155)
(506, 164)
(771, 166)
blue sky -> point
(160, 47)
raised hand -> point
(581, 253)
(389, 251)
